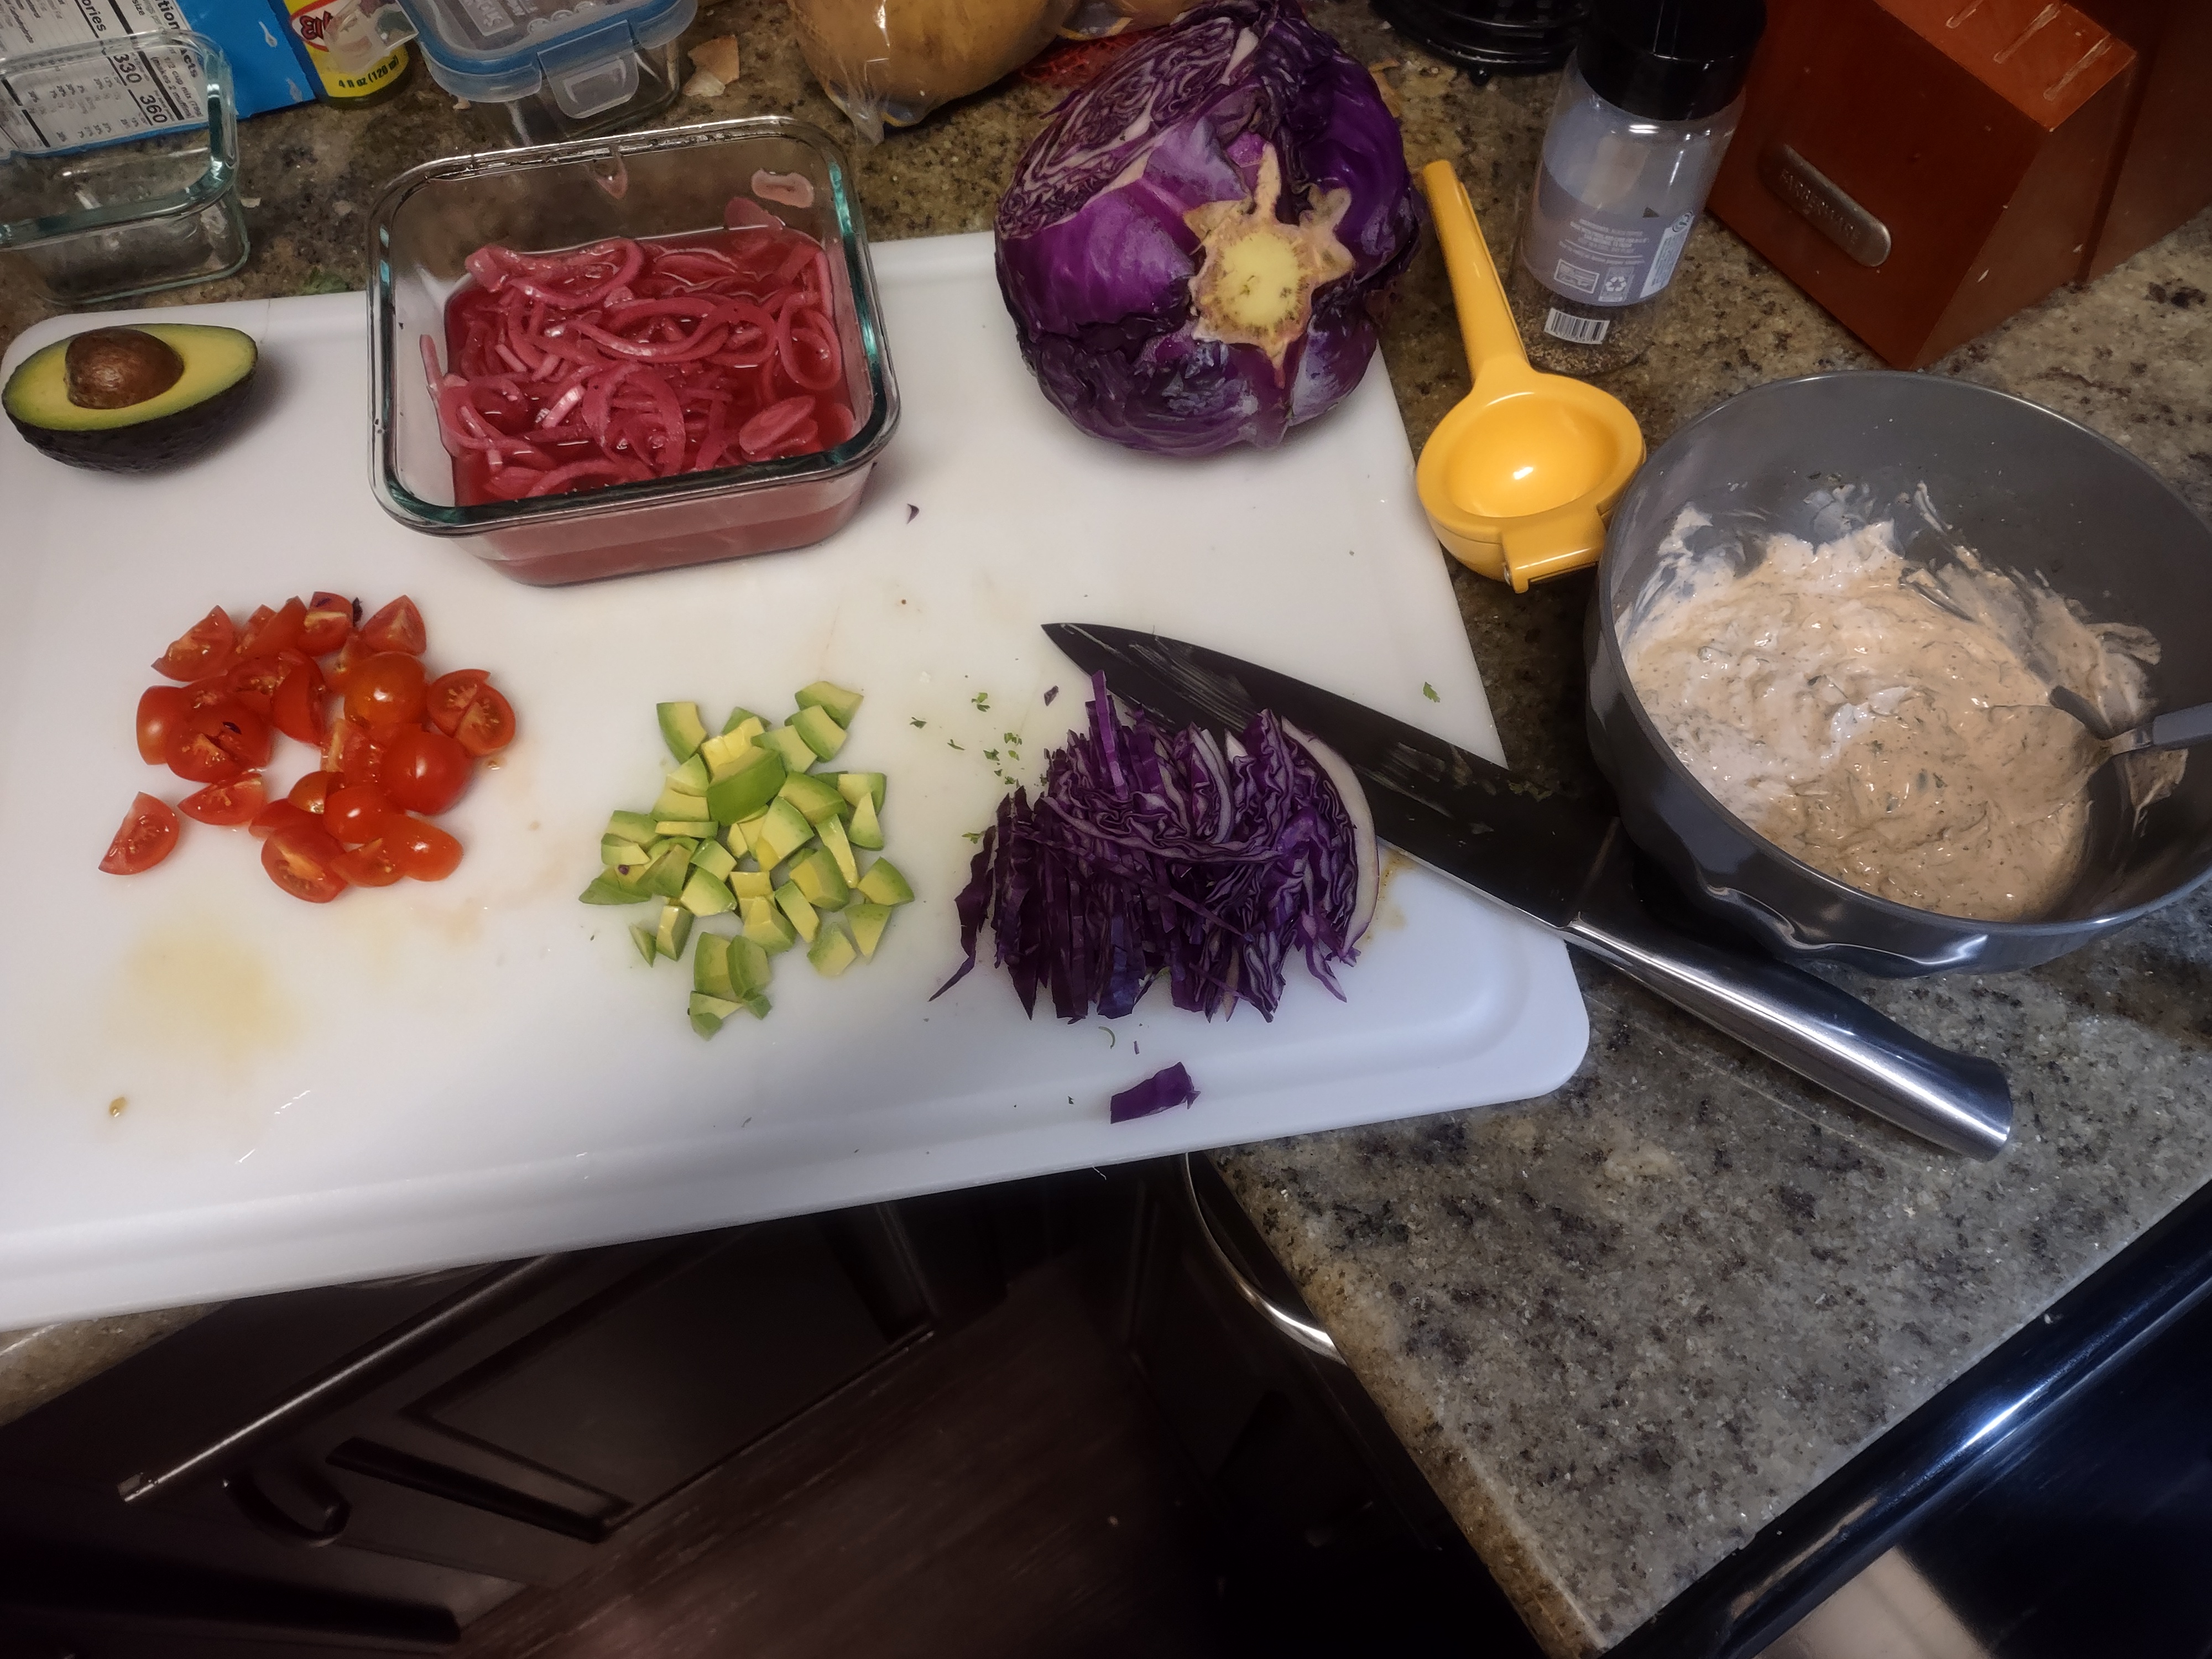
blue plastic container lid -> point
(494, 51)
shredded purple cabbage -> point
(1171, 1087)
(1147, 855)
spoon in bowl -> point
(1518, 479)
(2178, 728)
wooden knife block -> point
(1925, 168)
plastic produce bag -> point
(1094, 20)
(889, 63)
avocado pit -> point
(116, 367)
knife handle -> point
(1960, 1102)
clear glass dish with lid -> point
(680, 182)
(119, 166)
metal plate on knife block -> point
(429, 1075)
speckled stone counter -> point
(1623, 1327)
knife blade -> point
(1567, 867)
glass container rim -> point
(221, 125)
(746, 478)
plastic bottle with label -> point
(353, 67)
(1645, 111)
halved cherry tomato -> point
(239, 801)
(210, 646)
(279, 817)
(487, 724)
(422, 851)
(329, 624)
(149, 833)
(300, 709)
(312, 791)
(397, 627)
(350, 752)
(207, 690)
(425, 771)
(272, 631)
(369, 864)
(386, 689)
(449, 696)
(254, 682)
(299, 859)
(162, 710)
(218, 742)
(354, 652)
(356, 812)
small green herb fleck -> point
(1430, 692)
(983, 701)
(990, 754)
(917, 722)
(949, 744)
(972, 835)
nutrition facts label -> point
(96, 97)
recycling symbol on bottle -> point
(1616, 285)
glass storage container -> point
(670, 183)
(541, 70)
(119, 166)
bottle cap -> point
(1669, 60)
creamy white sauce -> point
(1888, 723)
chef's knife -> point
(1567, 867)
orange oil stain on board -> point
(198, 992)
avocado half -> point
(173, 425)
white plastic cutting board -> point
(425, 1075)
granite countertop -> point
(1623, 1327)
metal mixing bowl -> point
(2028, 490)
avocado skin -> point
(140, 446)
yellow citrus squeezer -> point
(1517, 480)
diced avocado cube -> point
(767, 926)
(756, 1006)
(823, 734)
(747, 730)
(687, 844)
(816, 876)
(882, 882)
(710, 966)
(714, 859)
(854, 785)
(749, 968)
(707, 1012)
(675, 928)
(842, 704)
(737, 718)
(868, 921)
(752, 883)
(682, 727)
(703, 896)
(832, 952)
(642, 936)
(798, 754)
(793, 903)
(608, 890)
(781, 833)
(816, 797)
(692, 828)
(832, 838)
(633, 827)
(668, 872)
(675, 803)
(748, 789)
(720, 754)
(691, 776)
(741, 833)
(614, 849)
(866, 829)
